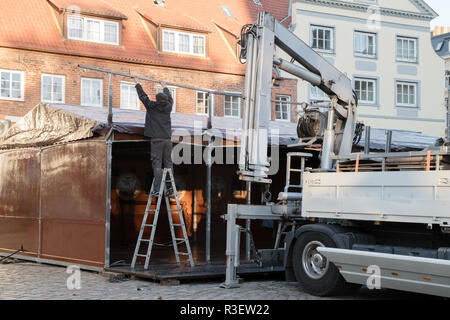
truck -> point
(380, 219)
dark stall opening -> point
(131, 178)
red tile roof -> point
(99, 7)
(19, 20)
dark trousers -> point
(161, 156)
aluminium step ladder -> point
(168, 193)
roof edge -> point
(75, 9)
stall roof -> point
(133, 122)
(401, 140)
(57, 123)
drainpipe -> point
(110, 111)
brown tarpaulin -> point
(46, 125)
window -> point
(128, 96)
(406, 94)
(322, 38)
(75, 28)
(199, 45)
(202, 105)
(91, 92)
(366, 90)
(93, 30)
(52, 88)
(406, 49)
(12, 85)
(447, 79)
(315, 94)
(173, 93)
(365, 44)
(111, 32)
(168, 41)
(232, 106)
(282, 109)
(185, 43)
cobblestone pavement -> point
(27, 280)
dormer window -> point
(183, 43)
(92, 30)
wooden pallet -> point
(392, 164)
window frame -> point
(288, 105)
(416, 49)
(84, 30)
(138, 102)
(101, 95)
(375, 90)
(416, 93)
(225, 105)
(332, 38)
(22, 85)
(205, 99)
(63, 93)
(365, 33)
(177, 42)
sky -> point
(442, 7)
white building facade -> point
(385, 47)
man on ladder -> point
(158, 127)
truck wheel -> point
(315, 274)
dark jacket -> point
(157, 120)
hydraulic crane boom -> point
(258, 43)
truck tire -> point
(315, 274)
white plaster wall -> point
(429, 117)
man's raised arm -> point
(143, 96)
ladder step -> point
(141, 255)
(144, 240)
(177, 225)
(183, 254)
(179, 239)
(148, 225)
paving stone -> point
(22, 281)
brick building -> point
(42, 42)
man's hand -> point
(136, 80)
(163, 84)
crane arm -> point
(258, 44)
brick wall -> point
(34, 64)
